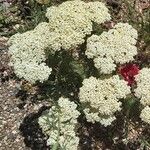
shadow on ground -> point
(98, 137)
(30, 130)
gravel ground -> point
(11, 118)
(19, 129)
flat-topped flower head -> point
(101, 98)
(28, 55)
(143, 86)
(73, 20)
(145, 114)
(69, 23)
(117, 46)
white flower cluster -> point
(72, 21)
(101, 98)
(143, 92)
(68, 25)
(112, 47)
(145, 114)
(59, 124)
(27, 54)
(143, 86)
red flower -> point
(128, 72)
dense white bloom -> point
(93, 117)
(143, 92)
(29, 45)
(72, 21)
(145, 114)
(68, 25)
(106, 65)
(143, 86)
(32, 71)
(59, 124)
(27, 53)
(112, 47)
(106, 121)
(101, 98)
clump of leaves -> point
(8, 18)
(20, 16)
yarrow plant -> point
(145, 114)
(117, 46)
(59, 123)
(27, 53)
(72, 21)
(68, 25)
(143, 86)
(101, 98)
(143, 92)
(100, 95)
